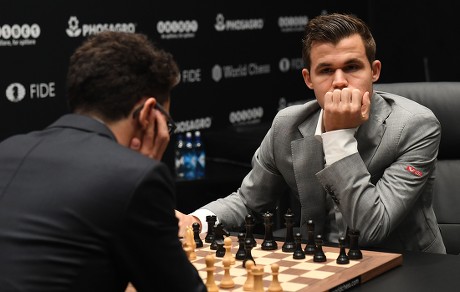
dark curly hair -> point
(332, 28)
(111, 71)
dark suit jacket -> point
(80, 212)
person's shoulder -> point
(403, 103)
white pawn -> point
(191, 242)
(275, 285)
(228, 250)
(210, 269)
(249, 284)
(227, 281)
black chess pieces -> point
(298, 251)
(248, 246)
(196, 234)
(319, 255)
(220, 251)
(342, 259)
(269, 243)
(219, 233)
(249, 223)
(289, 244)
(211, 221)
(354, 253)
(241, 252)
(311, 246)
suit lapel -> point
(370, 134)
(307, 158)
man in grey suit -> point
(79, 209)
(354, 158)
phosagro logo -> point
(74, 29)
(15, 92)
(19, 35)
(242, 70)
(196, 124)
(237, 24)
(177, 29)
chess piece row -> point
(254, 275)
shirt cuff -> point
(339, 144)
(201, 215)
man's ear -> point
(376, 69)
(146, 112)
(307, 78)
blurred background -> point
(240, 63)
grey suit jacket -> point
(384, 190)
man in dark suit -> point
(86, 204)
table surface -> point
(419, 272)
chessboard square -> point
(240, 280)
(332, 268)
(292, 271)
(293, 287)
(317, 274)
(266, 261)
(238, 271)
(307, 266)
(331, 255)
(282, 277)
(279, 255)
(257, 253)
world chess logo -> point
(15, 92)
(73, 30)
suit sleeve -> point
(149, 249)
(376, 209)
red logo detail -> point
(413, 170)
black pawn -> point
(196, 234)
(289, 244)
(247, 248)
(342, 259)
(354, 253)
(319, 255)
(298, 252)
(241, 252)
(311, 246)
(220, 252)
(249, 223)
(211, 221)
(269, 243)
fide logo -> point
(15, 92)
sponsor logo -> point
(286, 64)
(75, 30)
(177, 29)
(292, 23)
(223, 24)
(246, 116)
(242, 70)
(15, 92)
(413, 170)
(191, 75)
(19, 34)
(196, 124)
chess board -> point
(301, 275)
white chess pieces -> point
(191, 242)
(249, 284)
(258, 273)
(227, 280)
(275, 285)
(210, 269)
(228, 250)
